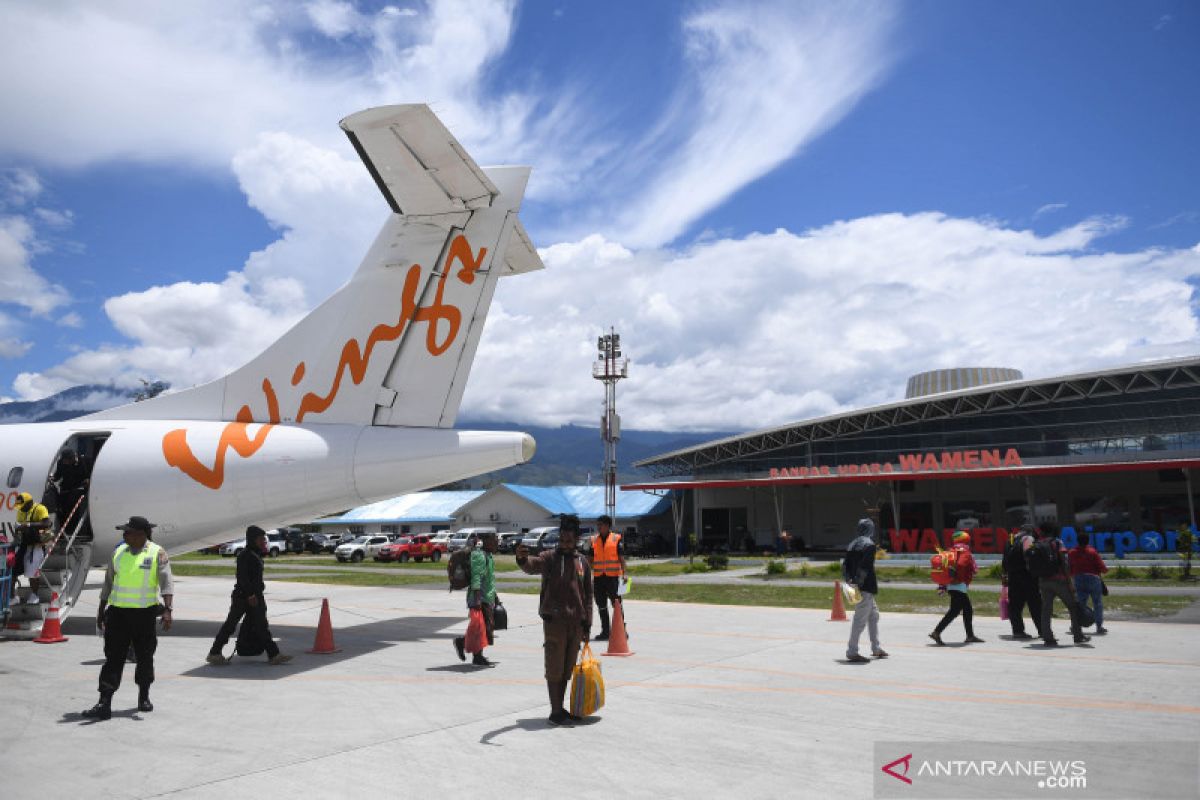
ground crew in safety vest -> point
(137, 573)
(608, 565)
(33, 533)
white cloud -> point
(14, 348)
(772, 328)
(759, 82)
(19, 283)
(1049, 208)
(18, 186)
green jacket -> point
(483, 574)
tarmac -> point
(717, 701)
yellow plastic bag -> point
(852, 595)
(587, 685)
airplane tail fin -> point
(394, 346)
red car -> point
(417, 548)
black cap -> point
(138, 524)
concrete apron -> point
(718, 701)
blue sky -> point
(786, 208)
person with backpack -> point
(1022, 586)
(858, 570)
(1086, 566)
(963, 569)
(481, 594)
(34, 532)
(248, 605)
(565, 607)
(1047, 561)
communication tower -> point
(609, 368)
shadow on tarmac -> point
(468, 667)
(79, 719)
(533, 725)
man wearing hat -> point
(248, 600)
(137, 573)
(33, 532)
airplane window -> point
(14, 477)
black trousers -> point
(1020, 595)
(604, 591)
(238, 608)
(123, 627)
(960, 603)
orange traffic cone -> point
(618, 645)
(51, 628)
(839, 611)
(323, 644)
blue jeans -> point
(1087, 587)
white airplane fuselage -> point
(298, 473)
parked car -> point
(441, 537)
(509, 541)
(321, 543)
(232, 547)
(460, 538)
(539, 539)
(297, 540)
(417, 548)
(360, 548)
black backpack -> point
(1043, 558)
(458, 569)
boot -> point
(144, 703)
(102, 710)
(479, 660)
(556, 692)
(604, 626)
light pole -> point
(609, 367)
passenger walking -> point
(481, 594)
(565, 608)
(247, 601)
(1047, 561)
(34, 533)
(137, 573)
(1022, 586)
(70, 479)
(1086, 566)
(608, 566)
(960, 601)
(858, 570)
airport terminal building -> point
(1114, 452)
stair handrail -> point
(66, 547)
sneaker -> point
(33, 599)
(1082, 638)
(1050, 642)
(1101, 631)
(479, 661)
(217, 660)
(937, 637)
(279, 658)
(973, 639)
(603, 637)
(459, 643)
(559, 718)
(880, 654)
(857, 659)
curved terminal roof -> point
(978, 401)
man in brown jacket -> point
(565, 608)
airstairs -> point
(64, 572)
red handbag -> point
(476, 638)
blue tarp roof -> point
(585, 501)
(588, 501)
(414, 507)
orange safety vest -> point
(604, 555)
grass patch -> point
(504, 563)
(662, 568)
(360, 579)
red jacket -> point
(1085, 561)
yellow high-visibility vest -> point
(135, 577)
(605, 560)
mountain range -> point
(569, 454)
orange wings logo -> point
(353, 362)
